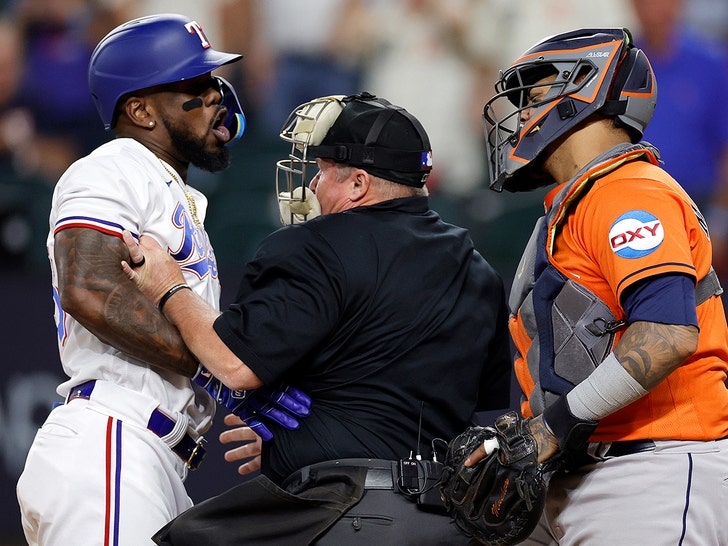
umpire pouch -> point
(260, 512)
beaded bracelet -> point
(170, 293)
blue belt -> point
(190, 451)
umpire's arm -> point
(159, 278)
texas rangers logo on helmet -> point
(193, 27)
(636, 234)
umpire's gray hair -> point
(386, 189)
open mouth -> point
(221, 132)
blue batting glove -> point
(289, 398)
(281, 406)
(231, 399)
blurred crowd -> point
(437, 58)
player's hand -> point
(548, 445)
(150, 267)
(250, 449)
(283, 406)
(232, 400)
(476, 456)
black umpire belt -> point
(189, 450)
(380, 473)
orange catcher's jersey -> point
(632, 223)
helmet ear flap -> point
(636, 75)
(624, 69)
(633, 94)
(615, 104)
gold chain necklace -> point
(190, 200)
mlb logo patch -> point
(426, 162)
(636, 234)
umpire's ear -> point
(358, 185)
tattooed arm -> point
(648, 352)
(96, 292)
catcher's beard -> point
(193, 148)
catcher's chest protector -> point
(561, 329)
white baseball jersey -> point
(116, 481)
(123, 185)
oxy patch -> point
(635, 234)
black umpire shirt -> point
(380, 314)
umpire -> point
(384, 314)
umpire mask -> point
(306, 126)
(361, 130)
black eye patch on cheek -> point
(192, 104)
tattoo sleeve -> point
(96, 292)
(650, 351)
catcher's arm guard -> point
(499, 500)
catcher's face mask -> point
(591, 71)
(307, 126)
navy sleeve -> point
(665, 299)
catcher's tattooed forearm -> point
(650, 351)
(546, 442)
(97, 293)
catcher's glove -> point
(499, 500)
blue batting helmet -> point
(149, 51)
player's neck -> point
(176, 169)
(581, 147)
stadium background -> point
(242, 206)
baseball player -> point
(616, 313)
(108, 466)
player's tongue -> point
(222, 133)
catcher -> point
(616, 316)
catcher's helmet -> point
(361, 130)
(155, 50)
(596, 71)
